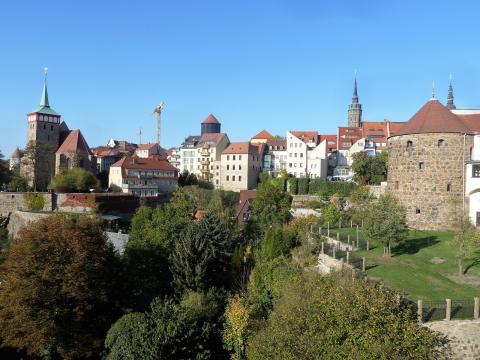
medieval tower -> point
(355, 109)
(426, 166)
(43, 142)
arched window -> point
(441, 143)
(409, 144)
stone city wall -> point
(20, 219)
(10, 202)
(427, 177)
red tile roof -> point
(279, 143)
(395, 127)
(347, 136)
(331, 141)
(264, 134)
(471, 120)
(108, 152)
(245, 198)
(210, 119)
(215, 138)
(244, 148)
(150, 163)
(75, 142)
(146, 146)
(306, 136)
(434, 117)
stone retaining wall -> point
(13, 201)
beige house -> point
(147, 150)
(240, 166)
(144, 176)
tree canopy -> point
(369, 169)
(386, 223)
(271, 205)
(57, 286)
(336, 318)
(75, 180)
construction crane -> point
(158, 112)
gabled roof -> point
(264, 134)
(434, 117)
(75, 142)
(306, 136)
(150, 163)
(146, 146)
(210, 119)
(471, 120)
(212, 138)
(245, 197)
(347, 136)
(244, 147)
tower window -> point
(449, 187)
(409, 144)
(441, 143)
(417, 211)
(421, 165)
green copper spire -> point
(44, 107)
(44, 99)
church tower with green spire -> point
(355, 109)
(43, 142)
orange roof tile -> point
(150, 163)
(214, 138)
(434, 117)
(75, 142)
(264, 134)
(210, 119)
(306, 136)
(244, 148)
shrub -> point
(75, 180)
(293, 186)
(33, 201)
(303, 186)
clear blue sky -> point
(279, 65)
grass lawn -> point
(412, 272)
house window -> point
(228, 157)
(239, 178)
(228, 178)
(239, 157)
(441, 143)
(228, 167)
(301, 154)
(421, 165)
(233, 178)
(233, 157)
(476, 170)
(409, 144)
(417, 211)
(449, 187)
(233, 167)
(239, 167)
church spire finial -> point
(44, 99)
(355, 108)
(433, 89)
(450, 103)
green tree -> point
(332, 212)
(187, 179)
(369, 169)
(271, 206)
(17, 181)
(4, 171)
(201, 257)
(386, 223)
(336, 318)
(75, 180)
(58, 288)
(188, 330)
(360, 201)
(237, 316)
(467, 238)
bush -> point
(75, 180)
(115, 188)
(328, 188)
(302, 186)
(293, 186)
(33, 201)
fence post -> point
(363, 264)
(351, 223)
(338, 236)
(348, 237)
(341, 264)
(448, 310)
(368, 245)
(420, 311)
(323, 247)
(334, 251)
(362, 222)
(348, 257)
(357, 237)
(328, 229)
(320, 230)
(340, 223)
(311, 228)
(476, 308)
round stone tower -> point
(426, 166)
(211, 125)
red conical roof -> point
(210, 119)
(264, 134)
(434, 117)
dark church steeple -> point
(355, 108)
(450, 103)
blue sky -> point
(279, 65)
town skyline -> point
(272, 66)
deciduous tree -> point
(271, 205)
(57, 287)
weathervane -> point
(433, 89)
